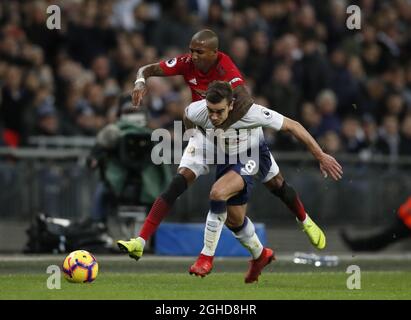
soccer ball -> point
(80, 266)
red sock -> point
(157, 213)
(298, 208)
(291, 199)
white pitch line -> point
(149, 258)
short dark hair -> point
(217, 91)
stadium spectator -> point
(105, 41)
(405, 142)
(239, 51)
(389, 137)
(326, 102)
(281, 93)
(311, 119)
(45, 114)
(352, 135)
(370, 129)
(371, 98)
(394, 105)
(330, 142)
(14, 104)
(346, 94)
(312, 71)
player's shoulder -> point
(257, 111)
(182, 59)
(196, 110)
(230, 71)
(225, 59)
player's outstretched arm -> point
(145, 72)
(243, 102)
(328, 165)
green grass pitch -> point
(163, 279)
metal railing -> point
(57, 182)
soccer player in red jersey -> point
(203, 65)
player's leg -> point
(164, 203)
(276, 184)
(191, 166)
(378, 240)
(243, 230)
(287, 195)
(225, 187)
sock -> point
(214, 225)
(158, 211)
(162, 206)
(291, 199)
(143, 242)
(246, 235)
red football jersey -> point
(224, 70)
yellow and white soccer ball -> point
(80, 266)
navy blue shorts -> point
(264, 165)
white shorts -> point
(194, 157)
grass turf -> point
(163, 278)
(226, 286)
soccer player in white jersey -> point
(234, 180)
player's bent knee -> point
(275, 183)
(218, 194)
(188, 174)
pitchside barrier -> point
(187, 239)
(53, 178)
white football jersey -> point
(244, 134)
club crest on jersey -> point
(191, 150)
(267, 114)
(193, 81)
(171, 63)
(234, 80)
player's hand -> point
(330, 166)
(138, 92)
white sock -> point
(306, 219)
(249, 239)
(212, 231)
(142, 241)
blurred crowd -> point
(351, 89)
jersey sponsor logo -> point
(193, 81)
(267, 114)
(171, 63)
(234, 80)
